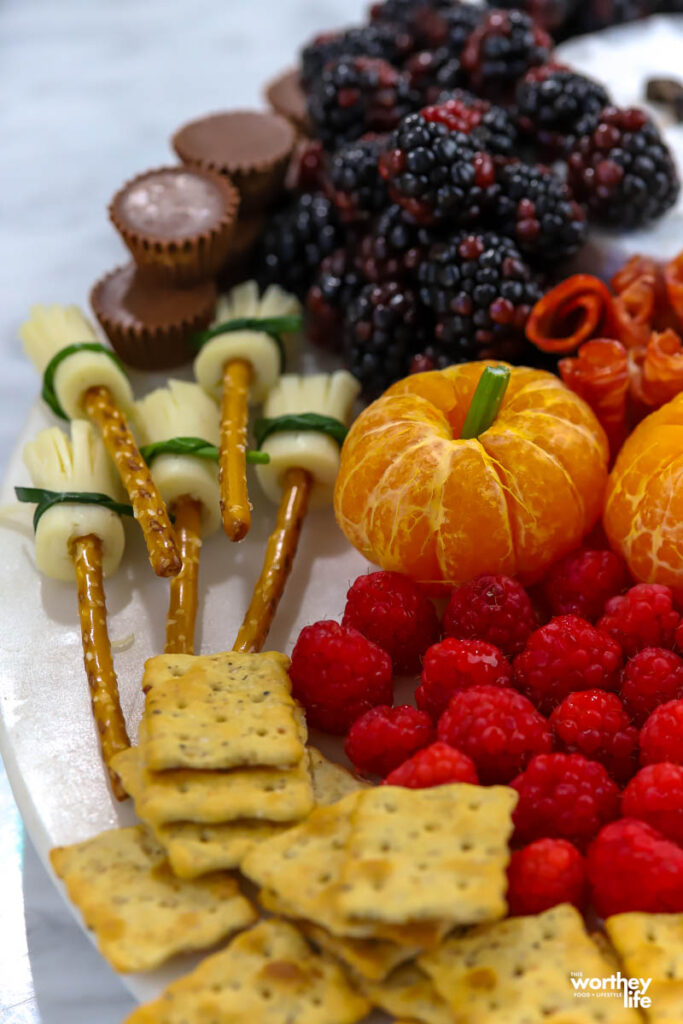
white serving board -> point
(47, 739)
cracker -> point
(140, 912)
(373, 959)
(213, 797)
(224, 711)
(428, 854)
(268, 975)
(331, 781)
(520, 970)
(299, 873)
(408, 992)
(651, 946)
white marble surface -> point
(91, 90)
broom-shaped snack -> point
(84, 379)
(305, 422)
(79, 537)
(178, 429)
(240, 361)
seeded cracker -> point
(214, 797)
(428, 854)
(651, 946)
(225, 711)
(371, 958)
(268, 975)
(522, 969)
(140, 912)
(409, 991)
(331, 782)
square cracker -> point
(140, 912)
(651, 946)
(522, 968)
(268, 975)
(213, 797)
(194, 849)
(373, 959)
(408, 992)
(299, 873)
(428, 854)
(225, 711)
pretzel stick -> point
(277, 564)
(99, 667)
(232, 466)
(148, 508)
(182, 608)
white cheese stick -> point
(50, 329)
(182, 409)
(324, 393)
(80, 464)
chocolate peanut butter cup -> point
(251, 147)
(148, 324)
(287, 98)
(178, 222)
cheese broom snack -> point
(304, 425)
(179, 431)
(84, 379)
(79, 537)
(240, 360)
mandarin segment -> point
(414, 497)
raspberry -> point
(650, 678)
(632, 867)
(655, 795)
(492, 608)
(382, 738)
(582, 582)
(337, 674)
(543, 874)
(454, 665)
(436, 765)
(566, 655)
(497, 727)
(564, 796)
(594, 723)
(661, 738)
(395, 614)
(642, 617)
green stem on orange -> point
(486, 401)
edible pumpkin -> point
(414, 496)
(643, 516)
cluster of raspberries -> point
(571, 693)
(452, 161)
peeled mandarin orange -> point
(643, 516)
(415, 497)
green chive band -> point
(48, 393)
(45, 500)
(193, 446)
(486, 401)
(335, 429)
(274, 326)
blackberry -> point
(435, 173)
(551, 15)
(394, 246)
(386, 42)
(433, 72)
(490, 126)
(623, 170)
(430, 23)
(353, 180)
(335, 285)
(481, 291)
(296, 240)
(306, 171)
(556, 105)
(537, 209)
(356, 95)
(502, 49)
(593, 15)
(379, 335)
